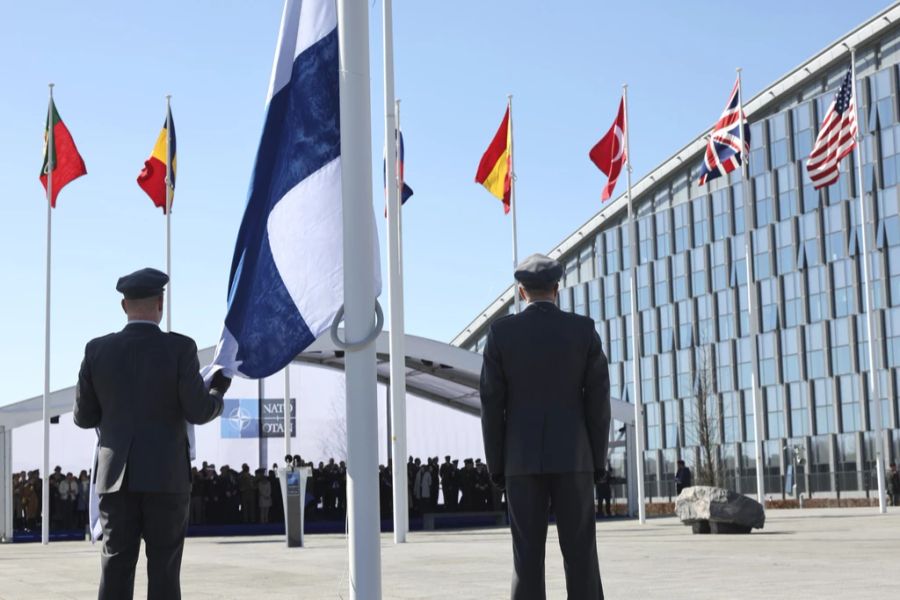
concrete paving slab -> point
(809, 554)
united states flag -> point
(723, 153)
(837, 137)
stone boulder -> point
(715, 510)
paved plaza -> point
(814, 554)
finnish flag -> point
(287, 280)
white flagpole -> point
(752, 316)
(635, 328)
(874, 395)
(397, 351)
(512, 204)
(168, 213)
(287, 410)
(45, 486)
(363, 520)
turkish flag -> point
(610, 152)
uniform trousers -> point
(161, 520)
(571, 498)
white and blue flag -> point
(287, 279)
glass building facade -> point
(691, 276)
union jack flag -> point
(837, 137)
(723, 153)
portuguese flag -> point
(494, 168)
(61, 157)
(152, 177)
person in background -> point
(342, 487)
(482, 486)
(683, 477)
(894, 484)
(264, 490)
(435, 481)
(56, 508)
(212, 502)
(467, 484)
(451, 494)
(67, 489)
(385, 491)
(247, 489)
(198, 493)
(31, 507)
(81, 508)
(604, 494)
(18, 486)
(277, 511)
(422, 489)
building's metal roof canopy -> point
(435, 371)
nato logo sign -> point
(253, 418)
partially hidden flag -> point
(610, 153)
(152, 177)
(723, 152)
(287, 273)
(407, 191)
(494, 170)
(61, 158)
(837, 136)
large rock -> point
(711, 509)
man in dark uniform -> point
(467, 484)
(448, 485)
(545, 417)
(683, 477)
(140, 387)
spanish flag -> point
(494, 168)
(152, 178)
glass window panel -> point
(799, 400)
(699, 272)
(701, 221)
(824, 403)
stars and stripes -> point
(837, 137)
(723, 153)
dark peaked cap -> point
(145, 283)
(539, 271)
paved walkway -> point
(810, 554)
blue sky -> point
(114, 62)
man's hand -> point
(599, 474)
(220, 383)
(499, 480)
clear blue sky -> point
(113, 63)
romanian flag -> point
(61, 158)
(494, 168)
(152, 178)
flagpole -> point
(635, 327)
(874, 395)
(752, 315)
(397, 351)
(363, 520)
(45, 486)
(512, 203)
(286, 410)
(169, 212)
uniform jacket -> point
(544, 394)
(140, 387)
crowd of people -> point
(222, 496)
(68, 500)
